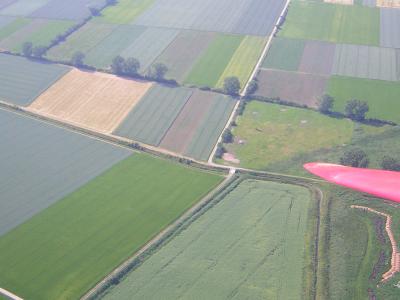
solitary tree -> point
(158, 71)
(27, 49)
(390, 163)
(325, 104)
(77, 59)
(118, 65)
(355, 157)
(94, 11)
(232, 85)
(220, 151)
(227, 136)
(356, 109)
(131, 66)
(39, 51)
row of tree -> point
(358, 158)
(355, 109)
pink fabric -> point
(383, 184)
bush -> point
(158, 71)
(77, 59)
(356, 109)
(131, 66)
(355, 157)
(390, 164)
(232, 86)
(252, 87)
(325, 104)
(118, 65)
(27, 49)
(39, 51)
(220, 151)
(227, 136)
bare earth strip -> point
(395, 261)
(93, 100)
(317, 58)
(300, 88)
(181, 133)
(343, 2)
(388, 3)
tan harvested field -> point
(343, 2)
(388, 3)
(93, 100)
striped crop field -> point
(84, 236)
(210, 67)
(150, 120)
(253, 244)
(23, 80)
(125, 12)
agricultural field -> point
(267, 133)
(103, 105)
(332, 23)
(300, 88)
(389, 28)
(248, 18)
(253, 244)
(23, 80)
(381, 96)
(130, 203)
(180, 120)
(41, 164)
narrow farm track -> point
(9, 295)
(395, 260)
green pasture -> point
(267, 133)
(253, 244)
(331, 22)
(284, 54)
(382, 96)
(63, 251)
(124, 12)
(244, 60)
(210, 67)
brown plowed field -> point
(317, 58)
(300, 88)
(181, 133)
(343, 2)
(93, 100)
(388, 3)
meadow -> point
(76, 242)
(381, 96)
(267, 133)
(333, 23)
(251, 244)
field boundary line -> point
(9, 295)
(102, 285)
(252, 76)
(141, 147)
(267, 46)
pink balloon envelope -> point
(380, 183)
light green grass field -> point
(382, 96)
(124, 12)
(244, 60)
(272, 132)
(284, 54)
(251, 245)
(63, 251)
(334, 23)
(214, 61)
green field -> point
(63, 251)
(212, 64)
(13, 27)
(382, 96)
(82, 40)
(334, 23)
(124, 12)
(244, 60)
(253, 244)
(271, 132)
(47, 34)
(284, 54)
